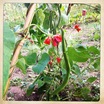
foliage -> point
(54, 59)
(40, 66)
(7, 52)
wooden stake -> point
(18, 48)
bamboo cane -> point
(18, 48)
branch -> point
(69, 8)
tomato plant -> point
(55, 62)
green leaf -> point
(40, 16)
(91, 79)
(80, 47)
(46, 22)
(97, 64)
(85, 91)
(8, 46)
(8, 41)
(64, 20)
(51, 51)
(78, 56)
(47, 79)
(21, 64)
(76, 69)
(96, 36)
(30, 89)
(40, 83)
(93, 50)
(31, 58)
(62, 8)
(40, 66)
